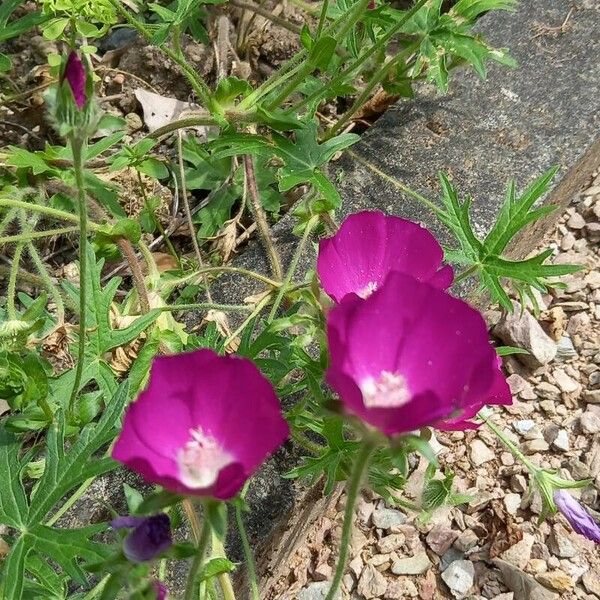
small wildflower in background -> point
(369, 245)
(203, 426)
(149, 538)
(160, 590)
(579, 519)
(411, 355)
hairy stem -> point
(188, 214)
(466, 273)
(267, 14)
(261, 218)
(207, 306)
(248, 555)
(77, 144)
(190, 588)
(35, 235)
(398, 184)
(322, 18)
(48, 211)
(292, 268)
(11, 294)
(352, 490)
(126, 248)
(48, 283)
(218, 551)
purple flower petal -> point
(409, 355)
(369, 245)
(203, 426)
(150, 537)
(160, 589)
(579, 519)
(76, 77)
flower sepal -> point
(548, 483)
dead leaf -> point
(161, 110)
(503, 531)
(226, 241)
(165, 262)
(55, 349)
(256, 298)
(220, 319)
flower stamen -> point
(201, 460)
(390, 390)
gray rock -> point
(560, 542)
(480, 453)
(523, 426)
(533, 446)
(565, 349)
(317, 591)
(518, 554)
(521, 329)
(386, 518)
(591, 581)
(440, 538)
(576, 221)
(459, 577)
(466, 541)
(590, 422)
(415, 565)
(561, 442)
(592, 396)
(372, 583)
(524, 586)
(547, 390)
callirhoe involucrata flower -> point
(579, 519)
(412, 355)
(76, 77)
(369, 245)
(149, 536)
(203, 425)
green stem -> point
(239, 271)
(218, 551)
(510, 446)
(322, 18)
(200, 88)
(292, 268)
(364, 95)
(379, 45)
(46, 210)
(248, 555)
(77, 144)
(190, 588)
(207, 306)
(49, 284)
(257, 310)
(302, 440)
(352, 489)
(12, 284)
(398, 184)
(34, 235)
(8, 218)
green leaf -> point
(66, 470)
(133, 498)
(508, 350)
(101, 337)
(322, 52)
(13, 572)
(13, 503)
(5, 63)
(153, 168)
(157, 501)
(54, 28)
(515, 215)
(471, 9)
(437, 492)
(214, 567)
(229, 89)
(216, 515)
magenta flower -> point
(160, 589)
(149, 538)
(410, 355)
(76, 77)
(499, 393)
(579, 519)
(369, 245)
(203, 425)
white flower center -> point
(388, 391)
(367, 290)
(201, 460)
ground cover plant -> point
(99, 372)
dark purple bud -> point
(579, 519)
(150, 537)
(160, 589)
(371, 5)
(76, 78)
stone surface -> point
(317, 591)
(518, 554)
(372, 583)
(415, 565)
(480, 453)
(558, 580)
(521, 329)
(459, 577)
(386, 518)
